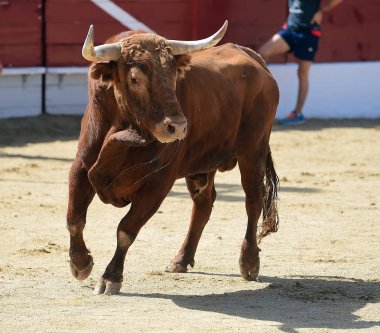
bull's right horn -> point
(105, 52)
(187, 47)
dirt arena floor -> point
(319, 273)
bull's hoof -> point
(82, 274)
(176, 267)
(107, 287)
(250, 271)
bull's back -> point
(221, 82)
(217, 95)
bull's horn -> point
(105, 52)
(186, 47)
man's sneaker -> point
(293, 118)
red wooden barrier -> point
(68, 24)
(349, 31)
(20, 33)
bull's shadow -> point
(233, 192)
(326, 302)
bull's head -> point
(143, 70)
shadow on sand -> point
(46, 128)
(233, 192)
(320, 124)
(326, 302)
(19, 132)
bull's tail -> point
(270, 214)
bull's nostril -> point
(171, 129)
(184, 130)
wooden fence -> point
(50, 33)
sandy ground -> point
(320, 272)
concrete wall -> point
(20, 92)
(337, 90)
(66, 90)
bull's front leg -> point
(202, 191)
(143, 206)
(81, 194)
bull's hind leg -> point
(202, 191)
(81, 194)
(252, 169)
(260, 182)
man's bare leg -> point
(303, 83)
(275, 45)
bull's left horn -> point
(105, 52)
(186, 47)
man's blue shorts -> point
(303, 43)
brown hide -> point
(225, 102)
(229, 100)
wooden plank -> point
(65, 55)
(20, 55)
(251, 22)
(20, 33)
(78, 12)
(17, 35)
(20, 12)
(68, 25)
(350, 32)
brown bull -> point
(157, 114)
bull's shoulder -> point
(229, 54)
(232, 61)
(251, 61)
(220, 66)
(251, 53)
(91, 138)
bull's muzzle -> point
(170, 130)
(178, 129)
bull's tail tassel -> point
(270, 214)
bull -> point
(160, 110)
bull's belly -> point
(214, 160)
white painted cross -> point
(121, 15)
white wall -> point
(66, 90)
(337, 90)
(20, 92)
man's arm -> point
(317, 18)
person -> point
(299, 35)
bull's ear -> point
(183, 64)
(103, 71)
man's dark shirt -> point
(301, 13)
